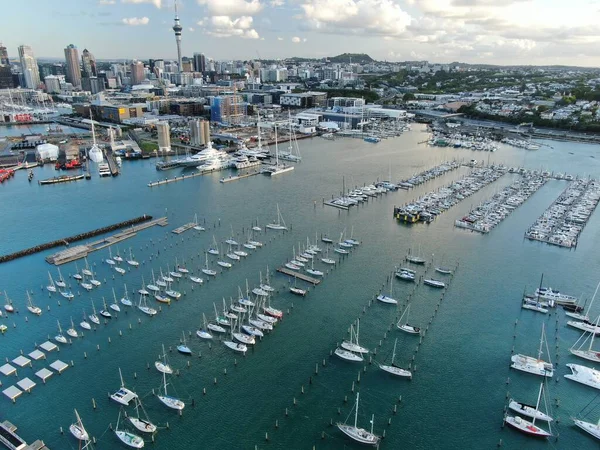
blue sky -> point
(475, 31)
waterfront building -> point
(164, 137)
(228, 109)
(303, 100)
(73, 71)
(29, 67)
(89, 64)
(199, 132)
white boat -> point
(359, 434)
(60, 282)
(196, 280)
(94, 316)
(77, 275)
(536, 366)
(198, 227)
(341, 251)
(67, 294)
(123, 395)
(292, 266)
(588, 427)
(353, 345)
(104, 312)
(225, 264)
(293, 151)
(110, 260)
(51, 287)
(182, 347)
(131, 261)
(327, 260)
(163, 366)
(125, 299)
(171, 402)
(582, 351)
(528, 411)
(443, 270)
(404, 326)
(393, 369)
(260, 324)
(434, 283)
(405, 274)
(72, 331)
(533, 305)
(60, 337)
(114, 305)
(87, 272)
(584, 326)
(277, 168)
(314, 272)
(560, 299)
(214, 248)
(388, 299)
(78, 430)
(523, 425)
(279, 224)
(84, 323)
(252, 331)
(127, 438)
(298, 291)
(118, 257)
(348, 355)
(236, 346)
(141, 424)
(584, 375)
(203, 333)
(86, 286)
(143, 307)
(206, 270)
(120, 270)
(31, 307)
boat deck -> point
(298, 275)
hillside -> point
(361, 58)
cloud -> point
(280, 38)
(276, 3)
(225, 26)
(191, 29)
(369, 17)
(296, 40)
(157, 3)
(106, 2)
(135, 21)
(231, 7)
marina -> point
(565, 219)
(490, 213)
(311, 378)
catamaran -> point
(163, 366)
(388, 299)
(359, 434)
(393, 369)
(536, 366)
(78, 430)
(279, 224)
(353, 345)
(123, 395)
(127, 438)
(141, 424)
(404, 326)
(529, 428)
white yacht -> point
(584, 375)
(534, 365)
(550, 294)
(219, 161)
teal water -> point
(457, 394)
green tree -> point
(408, 97)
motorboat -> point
(548, 293)
(434, 283)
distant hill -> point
(361, 58)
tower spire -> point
(177, 29)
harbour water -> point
(456, 397)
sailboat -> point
(104, 312)
(123, 395)
(584, 375)
(87, 272)
(94, 317)
(167, 400)
(72, 331)
(530, 411)
(404, 326)
(359, 434)
(77, 275)
(393, 369)
(118, 258)
(143, 425)
(67, 294)
(588, 353)
(536, 366)
(388, 299)
(235, 346)
(114, 305)
(583, 323)
(203, 333)
(94, 281)
(277, 168)
(256, 227)
(125, 299)
(353, 345)
(153, 287)
(172, 292)
(589, 427)
(84, 323)
(78, 430)
(142, 306)
(525, 426)
(163, 366)
(60, 282)
(60, 336)
(296, 290)
(232, 255)
(313, 271)
(216, 327)
(127, 438)
(267, 286)
(214, 248)
(415, 259)
(31, 307)
(8, 306)
(293, 152)
(110, 260)
(131, 261)
(51, 287)
(279, 224)
(327, 260)
(197, 227)
(182, 347)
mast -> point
(258, 130)
(537, 405)
(290, 137)
(540, 288)
(393, 356)
(121, 377)
(541, 343)
(356, 412)
(276, 149)
(593, 334)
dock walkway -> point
(238, 177)
(184, 228)
(298, 275)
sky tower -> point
(177, 29)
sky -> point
(537, 32)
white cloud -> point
(225, 26)
(231, 7)
(371, 17)
(296, 39)
(276, 3)
(135, 21)
(191, 29)
(280, 38)
(157, 3)
(106, 2)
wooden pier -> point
(183, 228)
(81, 251)
(238, 177)
(300, 276)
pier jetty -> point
(76, 238)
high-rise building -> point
(3, 55)
(6, 78)
(89, 64)
(73, 71)
(177, 29)
(199, 62)
(164, 137)
(52, 84)
(31, 72)
(137, 72)
(198, 132)
(186, 65)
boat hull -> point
(359, 434)
(526, 427)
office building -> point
(137, 72)
(199, 62)
(73, 71)
(52, 83)
(199, 132)
(3, 55)
(29, 67)
(186, 65)
(6, 78)
(88, 62)
(164, 137)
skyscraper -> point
(199, 62)
(177, 29)
(31, 72)
(89, 64)
(164, 137)
(3, 55)
(73, 70)
(137, 72)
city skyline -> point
(532, 32)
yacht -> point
(104, 169)
(219, 161)
(551, 294)
(199, 158)
(584, 375)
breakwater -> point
(77, 237)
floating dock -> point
(184, 228)
(238, 177)
(81, 251)
(13, 441)
(298, 275)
